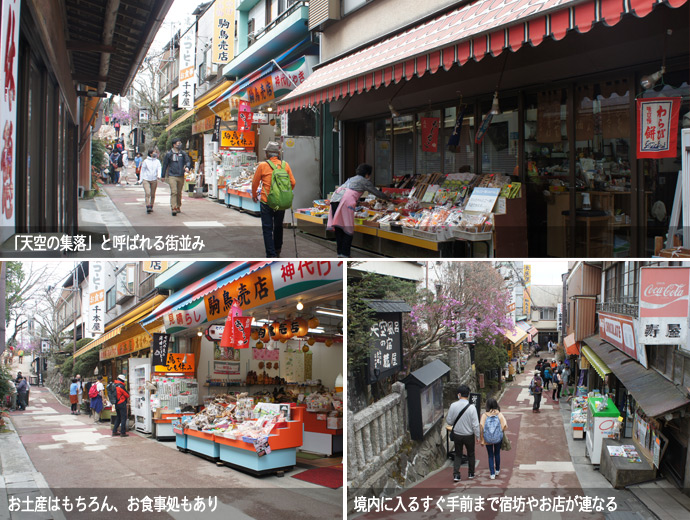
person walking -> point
(492, 427)
(22, 392)
(536, 387)
(121, 398)
(557, 385)
(175, 164)
(150, 173)
(341, 216)
(116, 125)
(96, 396)
(465, 430)
(116, 163)
(73, 395)
(548, 376)
(565, 377)
(138, 159)
(271, 219)
(20, 354)
(80, 393)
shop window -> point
(382, 152)
(604, 199)
(499, 147)
(661, 175)
(458, 157)
(403, 146)
(110, 298)
(429, 142)
(302, 123)
(547, 313)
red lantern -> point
(274, 330)
(302, 327)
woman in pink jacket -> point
(341, 217)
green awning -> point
(601, 367)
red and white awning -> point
(469, 32)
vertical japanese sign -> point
(244, 121)
(9, 44)
(216, 129)
(187, 70)
(96, 297)
(161, 343)
(657, 127)
(526, 301)
(429, 137)
(223, 31)
(665, 306)
(385, 358)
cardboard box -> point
(334, 423)
(675, 252)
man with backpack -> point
(464, 432)
(547, 376)
(536, 387)
(116, 164)
(120, 398)
(277, 185)
(175, 164)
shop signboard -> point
(186, 317)
(214, 332)
(159, 353)
(187, 74)
(665, 306)
(223, 31)
(154, 266)
(226, 368)
(619, 330)
(482, 200)
(385, 358)
(657, 127)
(182, 363)
(279, 83)
(249, 291)
(429, 136)
(216, 127)
(260, 118)
(526, 300)
(134, 344)
(9, 47)
(233, 139)
(295, 277)
(96, 297)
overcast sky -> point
(180, 16)
(547, 272)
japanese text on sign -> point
(159, 352)
(187, 75)
(177, 363)
(657, 127)
(386, 346)
(223, 31)
(232, 139)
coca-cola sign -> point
(664, 292)
(664, 306)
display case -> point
(425, 397)
(601, 424)
(139, 374)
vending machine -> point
(139, 374)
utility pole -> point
(74, 314)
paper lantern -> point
(328, 342)
(255, 335)
(285, 330)
(313, 323)
(311, 341)
(274, 330)
(284, 340)
(305, 348)
(302, 327)
(264, 334)
(259, 344)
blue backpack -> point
(493, 434)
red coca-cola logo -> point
(665, 290)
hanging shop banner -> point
(177, 363)
(161, 346)
(665, 306)
(526, 300)
(232, 139)
(154, 266)
(9, 45)
(619, 330)
(244, 121)
(429, 137)
(454, 140)
(96, 297)
(280, 82)
(187, 70)
(657, 127)
(223, 31)
(385, 357)
(481, 132)
(237, 332)
(216, 129)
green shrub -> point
(5, 378)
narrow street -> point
(543, 462)
(226, 232)
(75, 457)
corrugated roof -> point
(389, 305)
(428, 373)
(655, 394)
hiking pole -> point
(294, 231)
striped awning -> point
(98, 341)
(601, 368)
(472, 31)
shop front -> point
(280, 385)
(443, 110)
